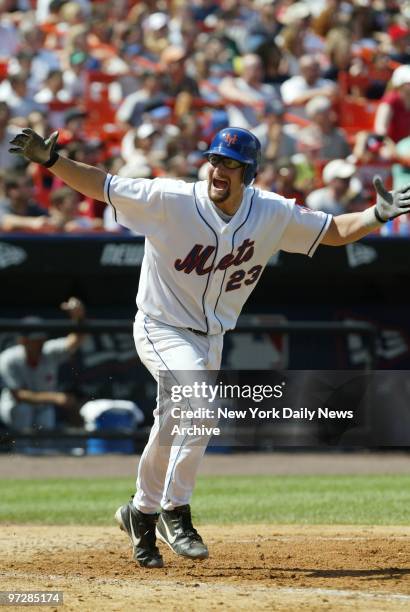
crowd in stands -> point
(139, 88)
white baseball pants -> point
(167, 472)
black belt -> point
(196, 331)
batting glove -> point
(34, 147)
(390, 204)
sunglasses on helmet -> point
(227, 162)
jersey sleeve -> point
(137, 203)
(57, 349)
(9, 372)
(304, 231)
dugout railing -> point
(246, 324)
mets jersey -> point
(198, 270)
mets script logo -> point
(201, 260)
(230, 139)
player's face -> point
(225, 180)
(33, 347)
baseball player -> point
(206, 246)
(29, 371)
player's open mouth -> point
(220, 184)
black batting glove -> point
(35, 148)
(390, 204)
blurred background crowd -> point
(140, 88)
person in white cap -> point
(393, 113)
(335, 196)
(138, 148)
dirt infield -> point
(257, 567)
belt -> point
(196, 331)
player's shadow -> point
(386, 573)
(383, 573)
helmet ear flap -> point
(248, 174)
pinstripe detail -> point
(319, 236)
(109, 198)
(173, 376)
(156, 352)
(233, 246)
(213, 261)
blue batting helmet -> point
(238, 144)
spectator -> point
(276, 140)
(175, 77)
(14, 91)
(155, 29)
(393, 113)
(64, 212)
(18, 212)
(334, 15)
(301, 88)
(337, 196)
(77, 40)
(44, 59)
(285, 179)
(401, 171)
(272, 61)
(6, 134)
(400, 43)
(293, 48)
(279, 45)
(263, 28)
(339, 52)
(148, 94)
(299, 15)
(138, 148)
(248, 94)
(45, 8)
(322, 139)
(22, 62)
(374, 155)
(74, 77)
(53, 89)
(265, 178)
(30, 397)
(74, 124)
(9, 36)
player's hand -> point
(64, 400)
(390, 204)
(74, 308)
(34, 147)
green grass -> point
(365, 500)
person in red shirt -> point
(393, 114)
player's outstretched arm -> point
(81, 177)
(76, 311)
(351, 227)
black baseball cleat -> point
(141, 530)
(174, 527)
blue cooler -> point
(111, 415)
(112, 419)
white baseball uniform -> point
(198, 270)
(16, 373)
